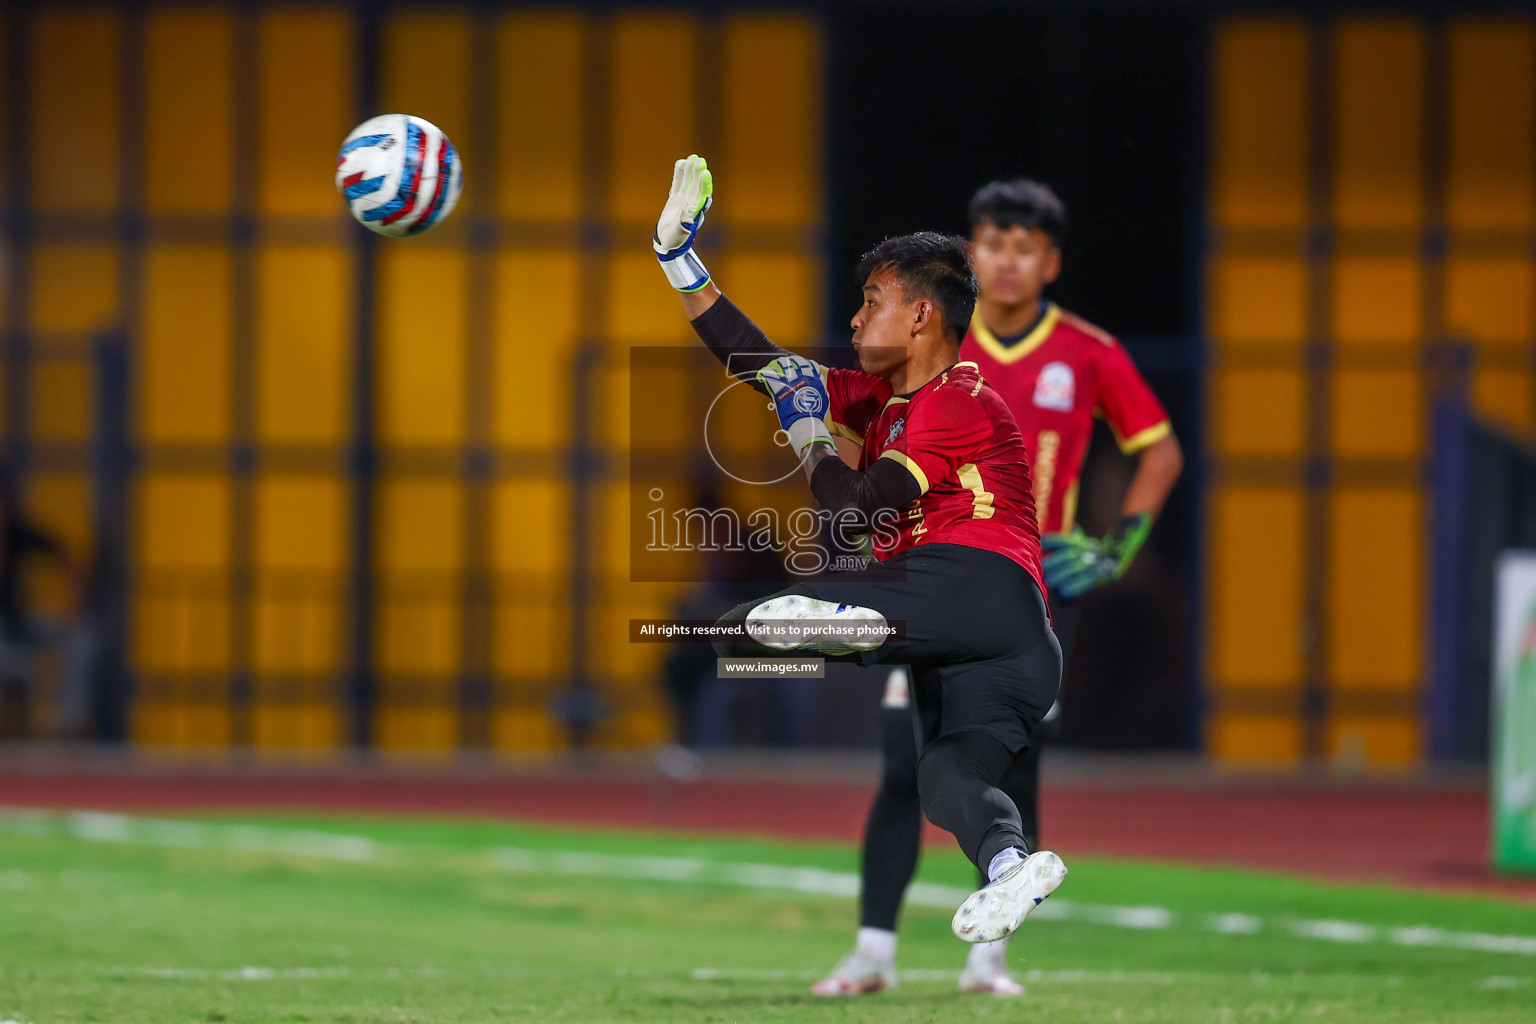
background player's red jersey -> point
(957, 438)
(1056, 379)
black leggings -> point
(893, 832)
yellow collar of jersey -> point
(1021, 348)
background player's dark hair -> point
(929, 266)
(1029, 204)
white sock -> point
(878, 943)
(986, 953)
(1003, 861)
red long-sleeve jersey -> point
(957, 438)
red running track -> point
(1429, 837)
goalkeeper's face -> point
(887, 324)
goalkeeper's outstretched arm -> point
(735, 340)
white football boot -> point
(798, 623)
(857, 974)
(993, 912)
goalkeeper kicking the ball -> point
(943, 469)
(1057, 373)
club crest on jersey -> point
(1056, 387)
(896, 429)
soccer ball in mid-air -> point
(399, 174)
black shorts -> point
(973, 629)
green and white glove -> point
(692, 192)
(798, 387)
(1076, 563)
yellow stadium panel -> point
(425, 71)
(1491, 299)
(652, 110)
(1256, 601)
(422, 342)
(1377, 300)
(612, 657)
(183, 522)
(61, 396)
(1259, 413)
(532, 631)
(61, 503)
(642, 308)
(188, 109)
(416, 728)
(1507, 396)
(296, 726)
(1378, 129)
(519, 729)
(182, 610)
(1255, 740)
(305, 107)
(771, 108)
(639, 723)
(303, 344)
(184, 367)
(1491, 137)
(1375, 621)
(540, 68)
(1377, 413)
(781, 292)
(1260, 173)
(186, 724)
(527, 412)
(1376, 741)
(531, 529)
(611, 410)
(1258, 301)
(300, 555)
(669, 422)
(419, 561)
(76, 110)
(75, 287)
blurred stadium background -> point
(323, 491)
(307, 531)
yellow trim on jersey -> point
(893, 400)
(837, 429)
(970, 479)
(1069, 508)
(1021, 348)
(900, 458)
(1145, 438)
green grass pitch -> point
(264, 919)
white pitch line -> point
(820, 882)
(102, 827)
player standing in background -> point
(1057, 373)
(942, 485)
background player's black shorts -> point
(973, 628)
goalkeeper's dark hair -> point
(1020, 201)
(929, 266)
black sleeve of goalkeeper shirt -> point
(884, 485)
(739, 344)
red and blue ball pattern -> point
(399, 174)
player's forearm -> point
(696, 303)
(1156, 473)
(739, 344)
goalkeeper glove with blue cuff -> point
(1076, 563)
(692, 193)
(798, 387)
